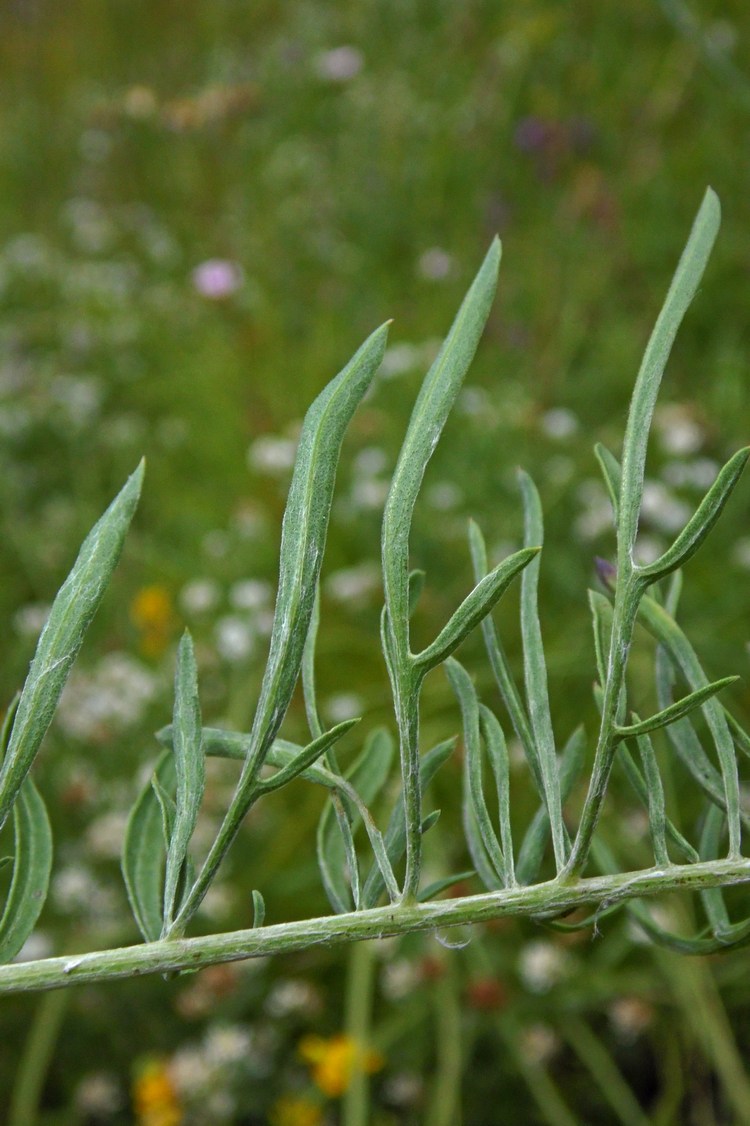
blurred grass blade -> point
(395, 835)
(681, 292)
(72, 612)
(535, 840)
(431, 410)
(675, 711)
(535, 669)
(497, 752)
(666, 631)
(612, 475)
(307, 756)
(702, 521)
(32, 864)
(143, 853)
(190, 771)
(501, 667)
(476, 606)
(465, 692)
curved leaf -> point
(32, 864)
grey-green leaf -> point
(306, 757)
(702, 521)
(190, 771)
(433, 405)
(143, 853)
(675, 711)
(681, 292)
(611, 473)
(259, 909)
(474, 608)
(72, 612)
(32, 864)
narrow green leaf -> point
(32, 864)
(657, 810)
(306, 757)
(675, 711)
(309, 692)
(476, 606)
(721, 944)
(416, 586)
(702, 521)
(641, 787)
(190, 772)
(681, 292)
(535, 669)
(72, 612)
(666, 631)
(431, 410)
(480, 819)
(710, 843)
(395, 835)
(535, 840)
(367, 776)
(303, 538)
(259, 909)
(612, 475)
(741, 737)
(601, 614)
(497, 752)
(144, 852)
(501, 666)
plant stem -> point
(605, 1073)
(360, 980)
(545, 900)
(627, 599)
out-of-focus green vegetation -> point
(204, 208)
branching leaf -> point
(702, 521)
(32, 864)
(612, 474)
(72, 612)
(476, 606)
(675, 711)
(306, 758)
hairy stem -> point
(542, 900)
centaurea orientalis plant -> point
(165, 887)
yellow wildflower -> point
(293, 1110)
(334, 1060)
(154, 1097)
(152, 614)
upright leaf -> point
(190, 771)
(72, 612)
(143, 853)
(32, 864)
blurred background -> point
(204, 208)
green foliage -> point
(158, 860)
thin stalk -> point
(545, 900)
(35, 1061)
(360, 980)
(627, 598)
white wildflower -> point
(343, 706)
(542, 965)
(353, 584)
(340, 64)
(235, 638)
(559, 423)
(200, 596)
(250, 594)
(273, 455)
(435, 264)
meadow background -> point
(204, 208)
